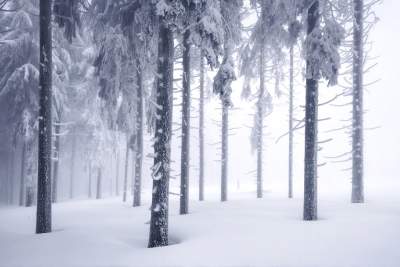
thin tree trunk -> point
(201, 128)
(162, 150)
(137, 187)
(185, 157)
(311, 130)
(126, 172)
(290, 192)
(6, 187)
(117, 172)
(224, 153)
(56, 162)
(29, 182)
(357, 195)
(11, 176)
(99, 183)
(22, 180)
(72, 166)
(90, 180)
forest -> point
(199, 133)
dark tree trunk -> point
(56, 162)
(22, 179)
(310, 158)
(224, 153)
(99, 183)
(291, 79)
(159, 207)
(43, 215)
(357, 195)
(137, 187)
(125, 189)
(72, 167)
(201, 128)
(185, 157)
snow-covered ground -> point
(241, 232)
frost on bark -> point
(22, 174)
(260, 107)
(72, 166)
(125, 185)
(117, 172)
(291, 79)
(357, 195)
(184, 190)
(224, 153)
(161, 169)
(137, 186)
(310, 157)
(43, 214)
(99, 183)
(201, 129)
(56, 160)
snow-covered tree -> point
(230, 11)
(266, 43)
(324, 36)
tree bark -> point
(99, 183)
(22, 179)
(11, 176)
(90, 180)
(310, 159)
(201, 128)
(126, 171)
(72, 166)
(357, 195)
(260, 115)
(137, 187)
(185, 148)
(291, 79)
(117, 172)
(224, 153)
(159, 207)
(43, 214)
(56, 162)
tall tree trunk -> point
(56, 162)
(72, 166)
(201, 128)
(260, 115)
(90, 180)
(291, 78)
(22, 179)
(357, 195)
(11, 176)
(99, 183)
(43, 215)
(311, 130)
(159, 207)
(224, 153)
(185, 157)
(125, 189)
(137, 187)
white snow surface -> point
(241, 232)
